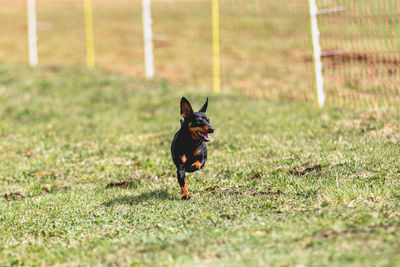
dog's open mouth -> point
(205, 136)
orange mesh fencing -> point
(264, 49)
(360, 52)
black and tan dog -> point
(188, 149)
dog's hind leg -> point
(182, 183)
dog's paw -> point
(185, 197)
(197, 164)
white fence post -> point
(317, 53)
(32, 33)
(148, 39)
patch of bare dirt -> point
(227, 217)
(14, 196)
(125, 183)
(44, 189)
(277, 192)
(305, 169)
(334, 232)
(53, 189)
(255, 176)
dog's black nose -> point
(210, 129)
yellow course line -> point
(90, 60)
(216, 49)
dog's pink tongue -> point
(207, 136)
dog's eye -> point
(208, 120)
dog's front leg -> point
(182, 183)
(198, 164)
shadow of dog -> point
(160, 194)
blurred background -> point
(265, 45)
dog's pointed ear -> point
(204, 107)
(186, 108)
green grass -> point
(285, 184)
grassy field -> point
(86, 178)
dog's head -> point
(197, 123)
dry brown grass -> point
(265, 46)
(262, 45)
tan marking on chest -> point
(183, 158)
